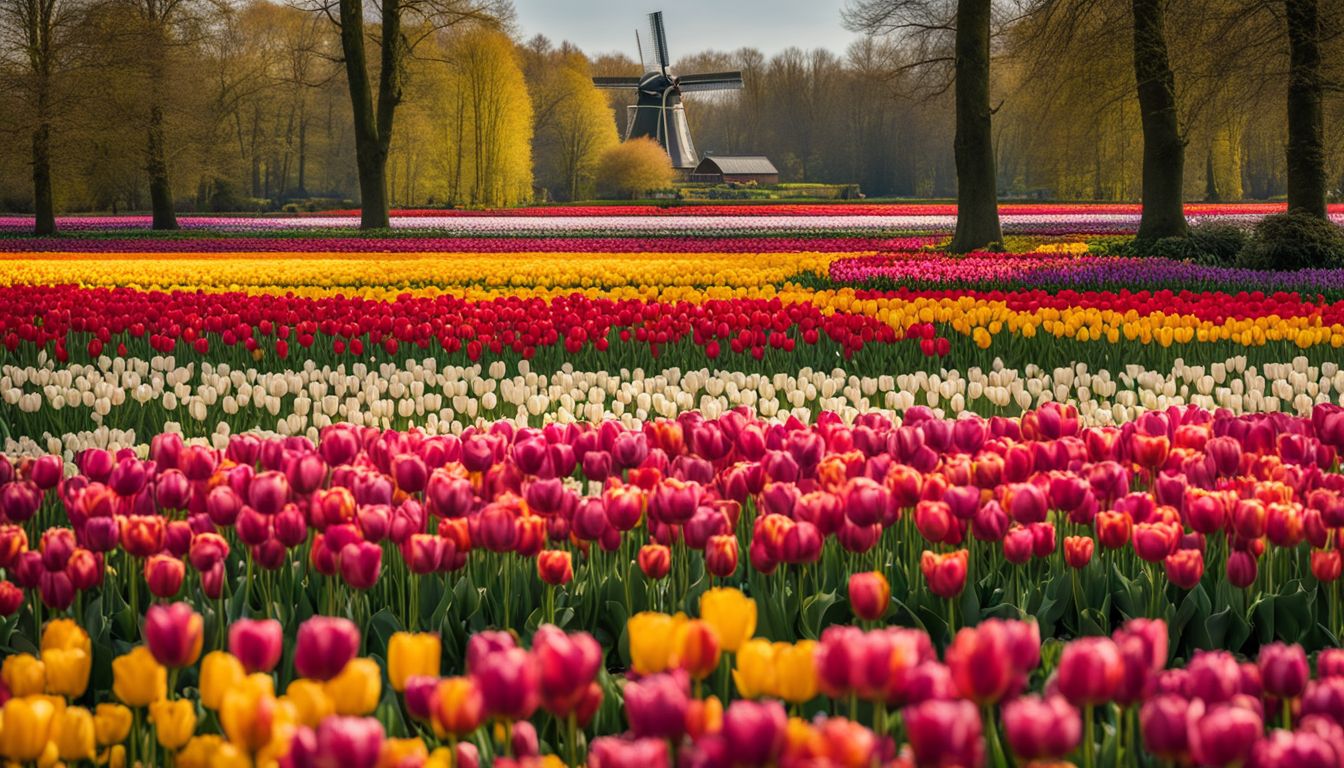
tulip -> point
(721, 555)
(419, 695)
(410, 655)
(980, 661)
(1284, 670)
(509, 681)
(869, 594)
(111, 724)
(356, 690)
(11, 597)
(754, 673)
(323, 646)
(1213, 677)
(164, 575)
(1241, 569)
(1224, 735)
(945, 573)
(656, 706)
(67, 654)
(731, 614)
(24, 675)
(27, 727)
(1185, 568)
(1018, 545)
(220, 671)
(795, 672)
(174, 722)
(1326, 565)
(1078, 551)
(74, 734)
(138, 678)
(555, 567)
(310, 701)
(458, 707)
(695, 648)
(650, 636)
(174, 634)
(360, 563)
(257, 643)
(945, 733)
(1330, 662)
(1041, 729)
(655, 561)
(356, 742)
(754, 732)
(1090, 671)
(567, 664)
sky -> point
(604, 26)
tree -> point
(633, 169)
(927, 23)
(34, 29)
(573, 125)
(402, 26)
(1306, 125)
(1163, 148)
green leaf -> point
(814, 611)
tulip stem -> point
(1089, 737)
(951, 619)
(572, 739)
(1287, 714)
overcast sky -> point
(602, 26)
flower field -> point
(630, 487)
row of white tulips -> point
(65, 408)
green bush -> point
(1208, 242)
(1293, 240)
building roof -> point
(753, 165)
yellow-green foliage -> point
(633, 169)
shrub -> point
(634, 168)
(1293, 240)
(1208, 242)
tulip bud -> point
(721, 555)
(323, 646)
(257, 643)
(945, 573)
(1041, 729)
(1284, 670)
(458, 707)
(869, 594)
(1185, 568)
(174, 634)
(410, 655)
(164, 575)
(655, 560)
(554, 567)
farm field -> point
(705, 485)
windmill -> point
(659, 113)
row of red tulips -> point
(1226, 526)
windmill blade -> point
(616, 82)
(659, 40)
(643, 65)
(710, 81)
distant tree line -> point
(171, 105)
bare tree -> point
(928, 24)
(1306, 122)
(1163, 145)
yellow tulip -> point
(795, 673)
(440, 758)
(27, 727)
(755, 671)
(137, 679)
(650, 637)
(174, 721)
(67, 670)
(220, 671)
(356, 690)
(74, 734)
(731, 614)
(310, 700)
(24, 674)
(65, 633)
(410, 654)
(199, 750)
(230, 756)
(247, 713)
(397, 751)
(111, 724)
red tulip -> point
(655, 560)
(509, 683)
(869, 594)
(257, 643)
(1041, 729)
(945, 573)
(1185, 568)
(360, 563)
(945, 733)
(1078, 551)
(721, 555)
(554, 567)
(1224, 735)
(174, 634)
(164, 575)
(356, 742)
(981, 662)
(754, 732)
(323, 646)
(656, 706)
(568, 665)
(1284, 670)
(1090, 671)
(1326, 564)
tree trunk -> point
(156, 165)
(1306, 127)
(44, 206)
(370, 152)
(977, 188)
(1163, 147)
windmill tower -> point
(659, 113)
